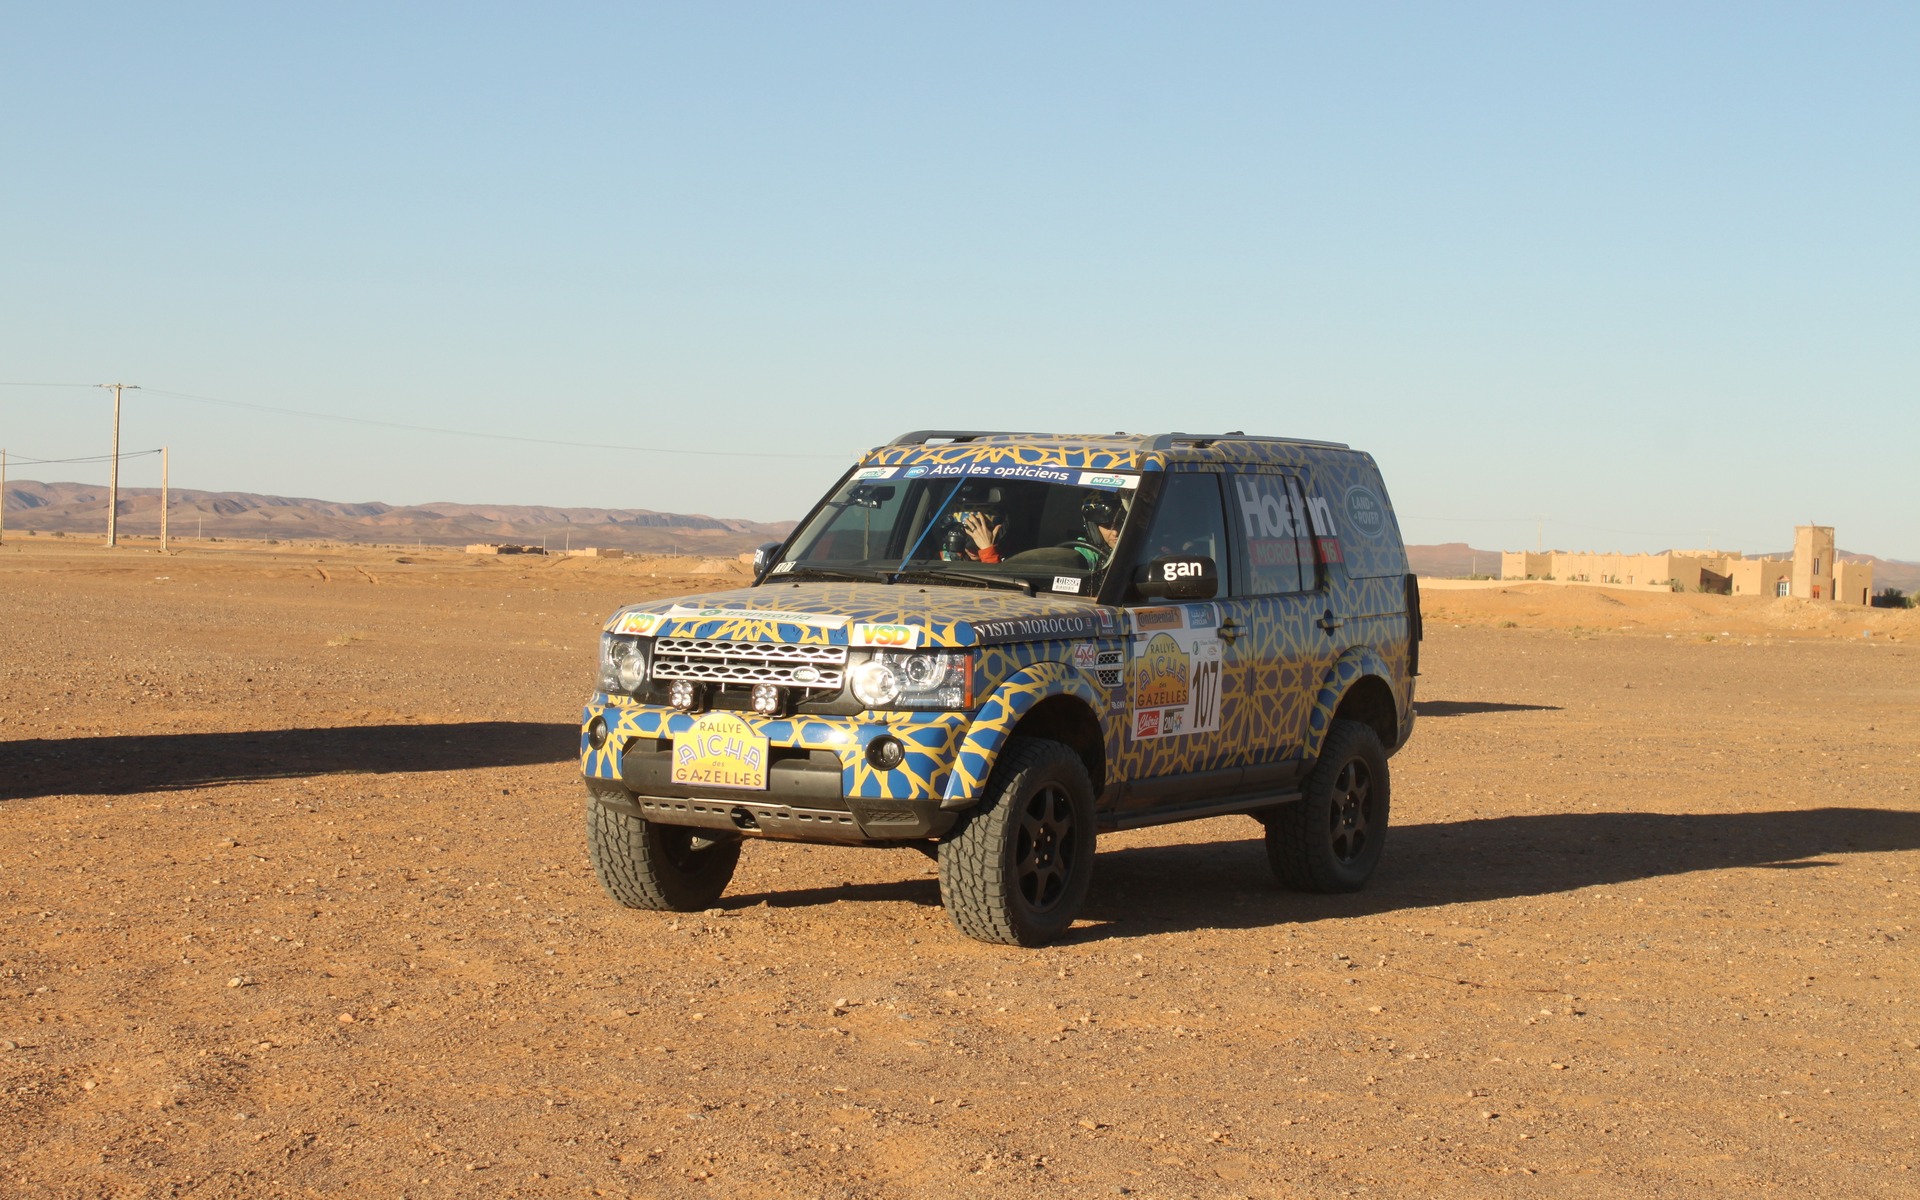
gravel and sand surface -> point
(295, 903)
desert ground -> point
(296, 904)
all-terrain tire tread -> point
(631, 871)
(1295, 833)
(974, 883)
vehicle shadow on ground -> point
(1144, 890)
(119, 766)
(1469, 708)
(1227, 885)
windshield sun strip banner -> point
(1071, 476)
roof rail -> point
(920, 437)
(1167, 441)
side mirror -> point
(1185, 577)
(763, 556)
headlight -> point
(623, 663)
(906, 679)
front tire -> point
(1330, 840)
(1015, 870)
(644, 864)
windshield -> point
(1048, 529)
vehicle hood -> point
(900, 616)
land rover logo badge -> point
(1365, 511)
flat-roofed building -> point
(1814, 572)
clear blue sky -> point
(1649, 272)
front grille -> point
(813, 669)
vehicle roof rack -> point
(1167, 441)
(1158, 441)
(921, 437)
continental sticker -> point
(1146, 620)
(700, 613)
(1173, 675)
(639, 624)
(890, 637)
(720, 750)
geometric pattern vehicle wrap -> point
(950, 754)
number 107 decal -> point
(1175, 678)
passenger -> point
(976, 525)
(1102, 513)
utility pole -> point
(113, 474)
(163, 499)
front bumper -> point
(820, 786)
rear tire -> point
(644, 864)
(1015, 870)
(1330, 840)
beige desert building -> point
(1815, 571)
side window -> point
(1189, 521)
(1272, 517)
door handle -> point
(1331, 622)
(1230, 629)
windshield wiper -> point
(861, 574)
(946, 573)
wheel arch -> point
(1358, 688)
(1048, 700)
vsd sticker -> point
(639, 624)
(890, 637)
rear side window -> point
(1271, 513)
(1348, 502)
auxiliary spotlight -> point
(769, 700)
(683, 695)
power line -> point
(448, 431)
(94, 458)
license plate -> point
(721, 750)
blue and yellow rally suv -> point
(993, 646)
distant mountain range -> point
(80, 508)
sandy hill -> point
(78, 508)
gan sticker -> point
(890, 637)
(1174, 676)
(642, 624)
(1066, 583)
(816, 620)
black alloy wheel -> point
(1351, 813)
(1045, 848)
